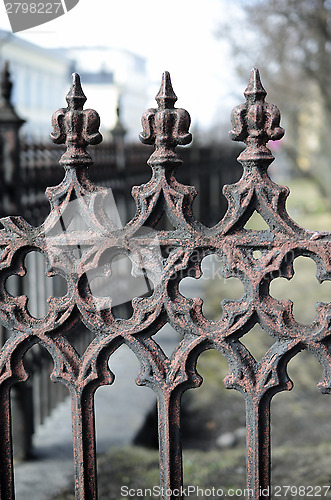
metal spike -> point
(76, 97)
(255, 90)
(166, 96)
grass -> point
(136, 469)
(301, 424)
(306, 206)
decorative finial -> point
(256, 122)
(119, 131)
(75, 127)
(6, 85)
(119, 107)
(165, 127)
(8, 115)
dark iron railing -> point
(255, 123)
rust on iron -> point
(165, 127)
(255, 122)
(75, 127)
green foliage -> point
(290, 42)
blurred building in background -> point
(40, 79)
(111, 78)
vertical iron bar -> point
(84, 446)
(6, 446)
(258, 447)
(170, 448)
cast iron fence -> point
(163, 257)
(27, 167)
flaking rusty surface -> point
(255, 122)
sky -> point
(176, 35)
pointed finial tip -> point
(76, 97)
(255, 76)
(76, 84)
(75, 78)
(166, 95)
(255, 88)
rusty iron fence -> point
(119, 169)
(73, 254)
(27, 167)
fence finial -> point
(256, 122)
(6, 85)
(9, 119)
(165, 127)
(119, 131)
(75, 127)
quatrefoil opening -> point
(304, 290)
(32, 280)
(116, 282)
(216, 289)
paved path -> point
(120, 412)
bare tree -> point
(290, 41)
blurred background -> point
(121, 50)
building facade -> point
(111, 77)
(40, 81)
